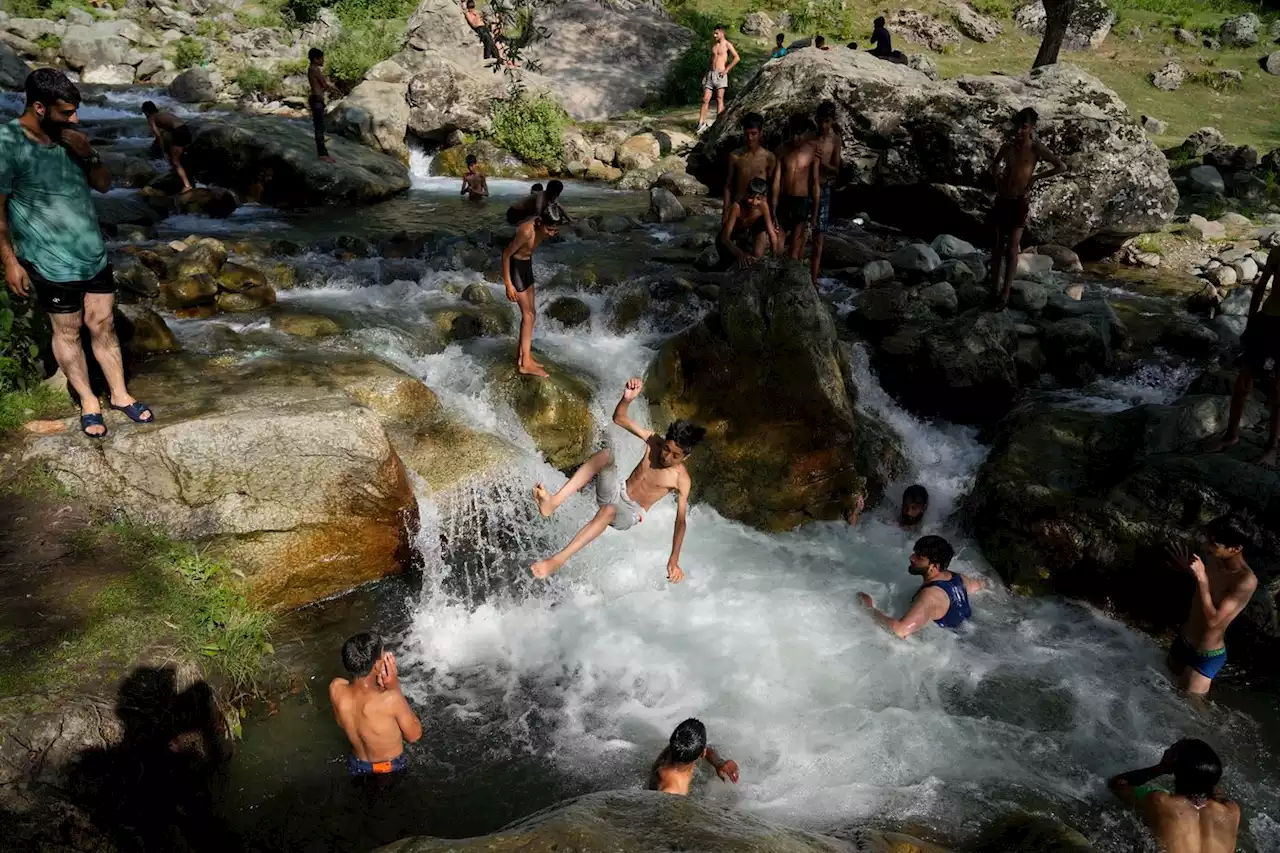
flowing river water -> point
(532, 692)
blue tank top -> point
(959, 610)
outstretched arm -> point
(726, 768)
(620, 416)
(675, 574)
(928, 604)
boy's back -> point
(369, 720)
(1180, 826)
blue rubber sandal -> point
(94, 419)
(134, 412)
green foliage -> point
(831, 18)
(19, 343)
(258, 81)
(1216, 80)
(254, 20)
(292, 67)
(532, 128)
(359, 47)
(1150, 243)
(302, 11)
(1186, 8)
(36, 402)
(188, 52)
(994, 8)
(49, 41)
(210, 28)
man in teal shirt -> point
(50, 242)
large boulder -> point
(1082, 503)
(650, 822)
(97, 44)
(556, 411)
(274, 162)
(375, 114)
(1091, 22)
(445, 96)
(794, 447)
(925, 146)
(923, 29)
(274, 467)
(13, 68)
(1240, 31)
(194, 86)
(975, 24)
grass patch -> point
(292, 67)
(35, 403)
(188, 52)
(994, 8)
(1150, 243)
(259, 82)
(34, 481)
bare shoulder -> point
(336, 686)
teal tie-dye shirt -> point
(51, 214)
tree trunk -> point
(1057, 18)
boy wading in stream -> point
(674, 770)
(517, 275)
(623, 505)
(371, 709)
(1196, 817)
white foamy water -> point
(420, 178)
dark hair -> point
(819, 41)
(936, 550)
(48, 86)
(721, 28)
(757, 186)
(688, 742)
(686, 434)
(315, 53)
(536, 188)
(471, 159)
(798, 125)
(1196, 768)
(879, 22)
(471, 4)
(149, 108)
(781, 36)
(826, 109)
(753, 121)
(1026, 115)
(916, 494)
(1230, 531)
(361, 652)
(554, 188)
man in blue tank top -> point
(943, 597)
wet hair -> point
(916, 494)
(781, 36)
(48, 86)
(720, 28)
(471, 159)
(757, 186)
(361, 652)
(1230, 531)
(799, 125)
(536, 188)
(315, 53)
(1196, 769)
(819, 41)
(826, 110)
(688, 435)
(149, 108)
(688, 742)
(1024, 116)
(753, 121)
(554, 188)
(471, 4)
(936, 550)
(879, 22)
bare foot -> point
(328, 158)
(1268, 458)
(44, 427)
(1222, 444)
(543, 498)
(532, 370)
(543, 569)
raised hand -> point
(633, 389)
(728, 772)
(1178, 555)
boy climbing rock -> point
(623, 505)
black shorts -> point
(793, 211)
(521, 274)
(181, 136)
(1261, 342)
(67, 297)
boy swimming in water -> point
(1196, 817)
(943, 595)
(474, 185)
(622, 506)
(371, 709)
(673, 771)
(915, 500)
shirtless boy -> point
(537, 202)
(673, 771)
(474, 185)
(724, 56)
(748, 230)
(1196, 817)
(796, 184)
(371, 709)
(517, 275)
(827, 143)
(173, 137)
(319, 86)
(1261, 341)
(622, 506)
(748, 163)
(943, 595)
(1020, 157)
(1224, 585)
(915, 500)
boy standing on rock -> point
(319, 86)
(517, 275)
(1020, 157)
(827, 142)
(1261, 341)
(371, 709)
(623, 505)
(673, 771)
(717, 77)
(748, 163)
(797, 186)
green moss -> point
(35, 403)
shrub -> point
(211, 29)
(258, 81)
(292, 67)
(188, 52)
(49, 41)
(994, 8)
(302, 11)
(826, 17)
(532, 128)
(19, 344)
(359, 47)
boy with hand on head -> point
(943, 595)
(1196, 817)
(673, 771)
(622, 505)
(474, 185)
(371, 709)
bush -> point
(532, 128)
(359, 47)
(258, 81)
(19, 345)
(49, 41)
(293, 67)
(824, 17)
(683, 83)
(302, 11)
(188, 52)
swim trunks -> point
(358, 767)
(521, 274)
(824, 209)
(1261, 341)
(181, 136)
(793, 211)
(716, 80)
(1208, 664)
(67, 297)
(611, 490)
(959, 609)
(1010, 213)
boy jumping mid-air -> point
(622, 506)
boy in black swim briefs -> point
(517, 275)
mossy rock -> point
(305, 325)
(465, 322)
(555, 411)
(628, 305)
(188, 291)
(281, 276)
(494, 162)
(569, 311)
(396, 397)
(252, 299)
(478, 294)
(237, 278)
(143, 331)
(202, 257)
